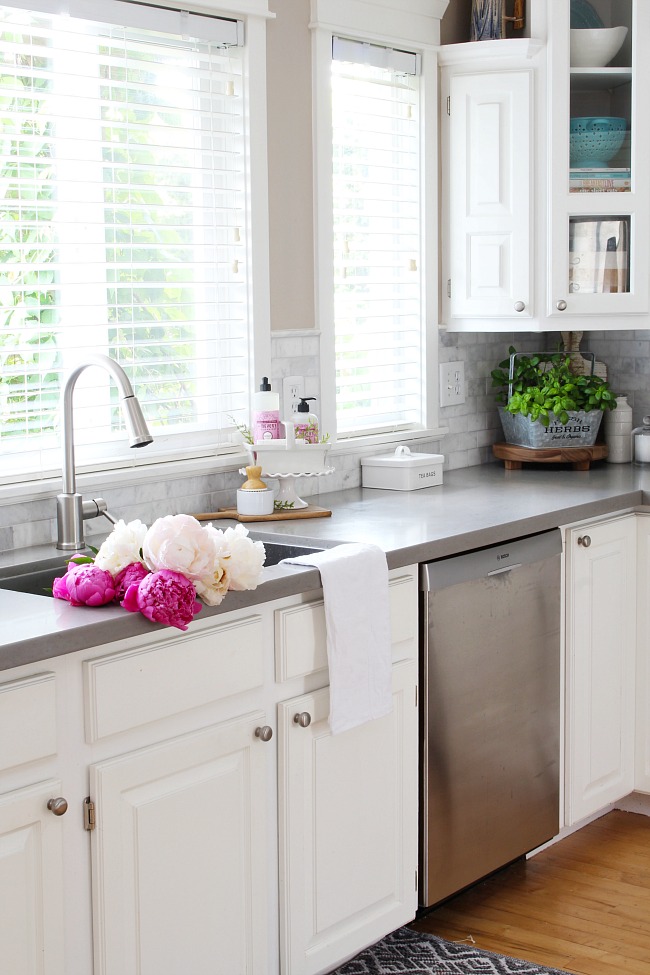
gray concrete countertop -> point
(474, 507)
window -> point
(124, 223)
(377, 236)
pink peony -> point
(60, 589)
(163, 597)
(85, 585)
(131, 574)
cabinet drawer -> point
(27, 720)
(301, 637)
(132, 688)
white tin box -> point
(402, 470)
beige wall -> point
(290, 166)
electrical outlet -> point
(452, 383)
(293, 387)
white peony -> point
(238, 564)
(179, 543)
(244, 565)
(122, 547)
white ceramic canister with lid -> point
(618, 427)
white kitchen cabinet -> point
(642, 732)
(31, 882)
(581, 226)
(597, 245)
(31, 834)
(179, 871)
(180, 855)
(348, 846)
(488, 180)
(347, 803)
(600, 652)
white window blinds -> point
(123, 223)
(377, 239)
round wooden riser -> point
(580, 458)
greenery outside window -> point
(124, 227)
(377, 237)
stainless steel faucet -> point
(71, 509)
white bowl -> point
(595, 47)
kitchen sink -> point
(276, 551)
(37, 578)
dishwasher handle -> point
(505, 568)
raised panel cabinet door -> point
(601, 648)
(179, 855)
(348, 827)
(642, 762)
(31, 882)
(489, 207)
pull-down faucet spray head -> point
(70, 506)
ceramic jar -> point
(618, 429)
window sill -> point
(124, 475)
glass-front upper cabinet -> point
(600, 178)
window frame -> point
(411, 30)
(253, 14)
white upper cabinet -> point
(598, 255)
(545, 202)
(487, 143)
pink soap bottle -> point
(266, 413)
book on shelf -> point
(600, 180)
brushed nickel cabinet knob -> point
(584, 540)
(58, 806)
(265, 733)
(303, 719)
(561, 305)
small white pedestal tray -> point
(288, 463)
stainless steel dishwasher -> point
(490, 710)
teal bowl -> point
(594, 141)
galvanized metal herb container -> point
(580, 430)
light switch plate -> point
(452, 383)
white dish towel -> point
(355, 593)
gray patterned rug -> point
(408, 952)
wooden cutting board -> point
(311, 511)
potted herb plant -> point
(543, 404)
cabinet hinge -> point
(89, 813)
(448, 104)
(449, 287)
(416, 880)
(416, 695)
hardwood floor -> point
(582, 905)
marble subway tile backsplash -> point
(473, 427)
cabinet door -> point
(601, 638)
(31, 882)
(489, 195)
(179, 855)
(348, 828)
(599, 191)
(642, 763)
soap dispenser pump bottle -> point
(306, 425)
(266, 413)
